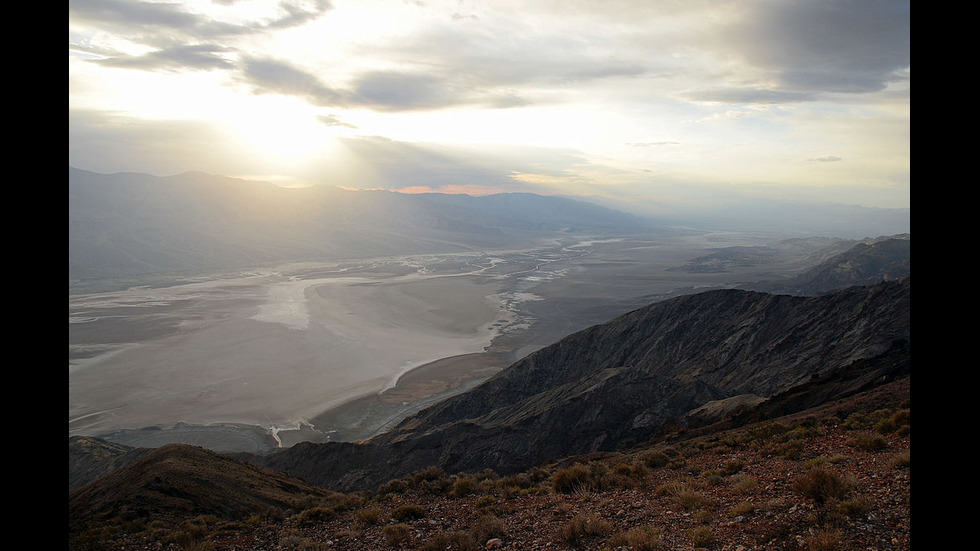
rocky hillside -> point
(624, 382)
(835, 477)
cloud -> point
(827, 159)
(399, 91)
(848, 46)
(194, 57)
(749, 95)
(269, 76)
(298, 12)
(333, 120)
(378, 90)
(134, 14)
(176, 37)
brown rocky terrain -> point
(833, 477)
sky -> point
(660, 104)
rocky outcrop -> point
(618, 384)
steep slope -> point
(619, 383)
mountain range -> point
(131, 225)
(135, 224)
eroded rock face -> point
(619, 383)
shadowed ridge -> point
(178, 481)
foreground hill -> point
(624, 382)
(833, 477)
(177, 481)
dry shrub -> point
(644, 538)
(702, 536)
(485, 528)
(450, 541)
(408, 512)
(820, 484)
(824, 540)
(583, 526)
(571, 479)
(397, 534)
(868, 442)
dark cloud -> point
(399, 91)
(156, 14)
(827, 46)
(180, 39)
(267, 76)
(379, 90)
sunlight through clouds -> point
(746, 93)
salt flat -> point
(272, 349)
(268, 349)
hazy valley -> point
(509, 333)
(248, 360)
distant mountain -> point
(623, 382)
(133, 224)
(800, 218)
(804, 251)
(863, 264)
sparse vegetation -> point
(741, 508)
(901, 461)
(644, 538)
(450, 541)
(602, 501)
(315, 515)
(701, 536)
(824, 540)
(583, 526)
(868, 442)
(408, 511)
(397, 534)
(820, 484)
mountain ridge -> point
(618, 385)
